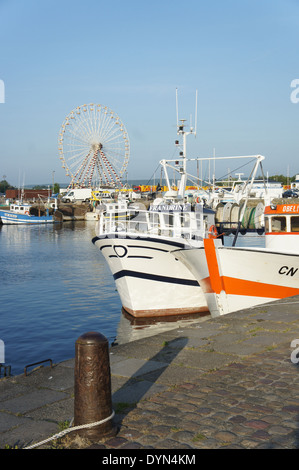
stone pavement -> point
(230, 382)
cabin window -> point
(279, 224)
(154, 219)
(267, 224)
(294, 224)
(167, 219)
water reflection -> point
(55, 286)
(131, 328)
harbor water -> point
(55, 286)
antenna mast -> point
(195, 112)
(181, 131)
(177, 108)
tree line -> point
(4, 185)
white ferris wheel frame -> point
(94, 146)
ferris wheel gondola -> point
(94, 146)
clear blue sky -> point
(241, 56)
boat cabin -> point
(20, 208)
(282, 220)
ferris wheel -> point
(94, 146)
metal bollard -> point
(93, 400)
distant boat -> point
(22, 214)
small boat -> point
(24, 214)
(234, 278)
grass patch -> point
(199, 437)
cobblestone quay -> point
(225, 383)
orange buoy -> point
(212, 232)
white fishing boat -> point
(137, 248)
(137, 245)
(234, 278)
(24, 214)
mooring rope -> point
(74, 428)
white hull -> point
(149, 280)
(237, 278)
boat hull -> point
(235, 278)
(8, 218)
(149, 280)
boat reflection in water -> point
(134, 328)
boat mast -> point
(181, 131)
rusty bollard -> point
(93, 400)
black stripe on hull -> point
(155, 277)
(150, 239)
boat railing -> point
(173, 223)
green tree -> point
(4, 185)
(56, 188)
(282, 179)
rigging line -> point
(238, 168)
(152, 175)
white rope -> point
(74, 428)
